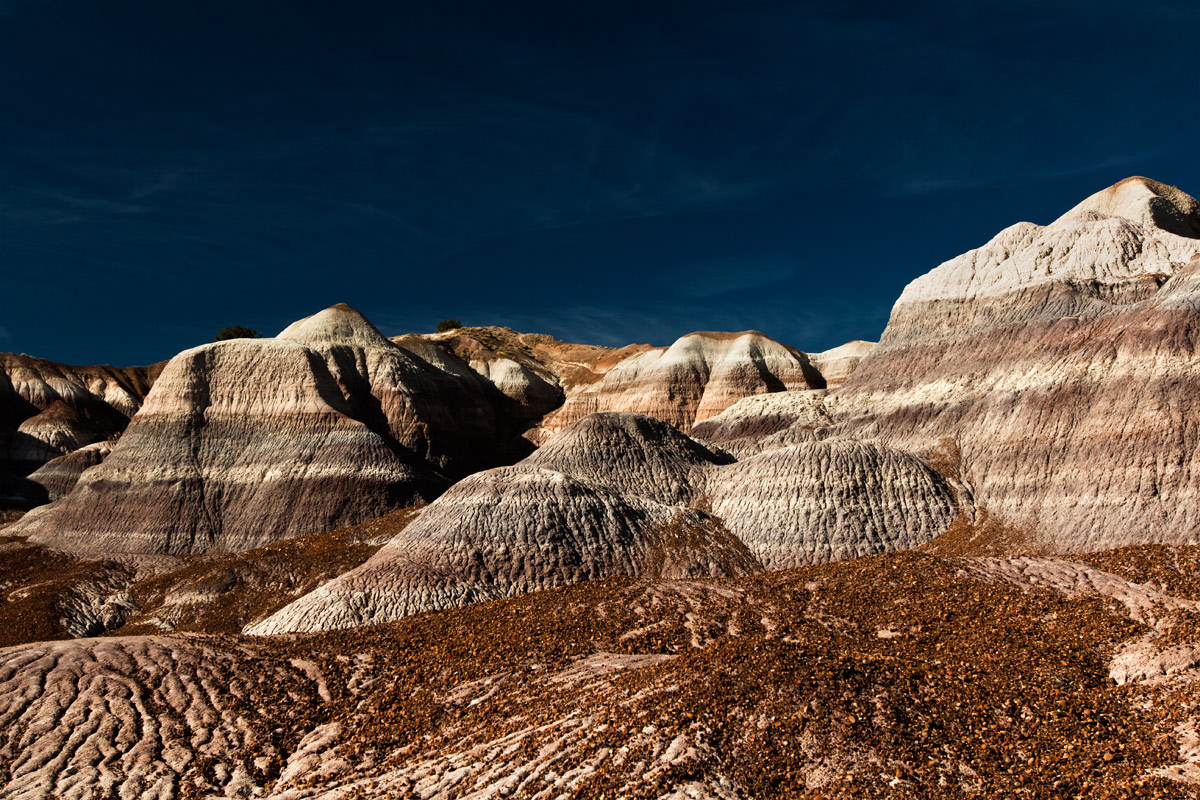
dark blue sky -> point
(604, 172)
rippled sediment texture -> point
(890, 676)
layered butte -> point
(625, 494)
(697, 377)
(1056, 366)
(248, 441)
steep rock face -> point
(510, 531)
(48, 410)
(1060, 362)
(245, 442)
(830, 501)
(697, 377)
(767, 422)
(835, 365)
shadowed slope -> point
(249, 441)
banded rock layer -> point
(622, 494)
(48, 410)
(836, 364)
(249, 441)
(697, 377)
(1060, 362)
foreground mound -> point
(891, 676)
(622, 494)
(515, 530)
(830, 501)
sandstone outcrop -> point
(248, 441)
(1060, 361)
(697, 377)
(48, 410)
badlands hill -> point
(48, 410)
(624, 494)
(244, 442)
(697, 377)
(692, 589)
(1059, 364)
(253, 440)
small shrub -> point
(449, 325)
(237, 332)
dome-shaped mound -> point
(766, 422)
(339, 324)
(514, 530)
(629, 453)
(829, 501)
